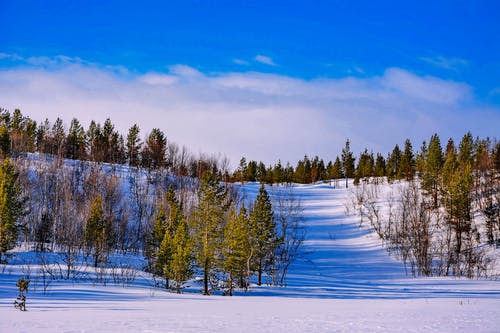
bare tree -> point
(288, 214)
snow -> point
(344, 282)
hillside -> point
(344, 281)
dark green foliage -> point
(11, 207)
(4, 141)
(75, 141)
(263, 231)
(134, 145)
(393, 163)
(433, 164)
(365, 166)
(58, 137)
(380, 167)
(407, 165)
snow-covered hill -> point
(344, 282)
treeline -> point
(399, 164)
(102, 144)
(445, 211)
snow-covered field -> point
(346, 283)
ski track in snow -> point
(346, 282)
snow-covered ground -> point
(346, 283)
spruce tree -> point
(11, 207)
(263, 231)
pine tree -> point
(175, 254)
(133, 147)
(58, 137)
(4, 142)
(156, 240)
(154, 152)
(263, 231)
(347, 162)
(433, 165)
(335, 172)
(43, 137)
(97, 232)
(393, 163)
(207, 224)
(234, 248)
(251, 175)
(164, 260)
(420, 159)
(241, 173)
(365, 166)
(261, 172)
(182, 255)
(75, 141)
(278, 173)
(407, 166)
(456, 186)
(380, 166)
(11, 207)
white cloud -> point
(446, 63)
(262, 116)
(264, 60)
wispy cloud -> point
(446, 63)
(238, 61)
(262, 116)
(495, 91)
(265, 60)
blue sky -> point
(450, 43)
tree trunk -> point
(205, 278)
(260, 273)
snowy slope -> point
(346, 282)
